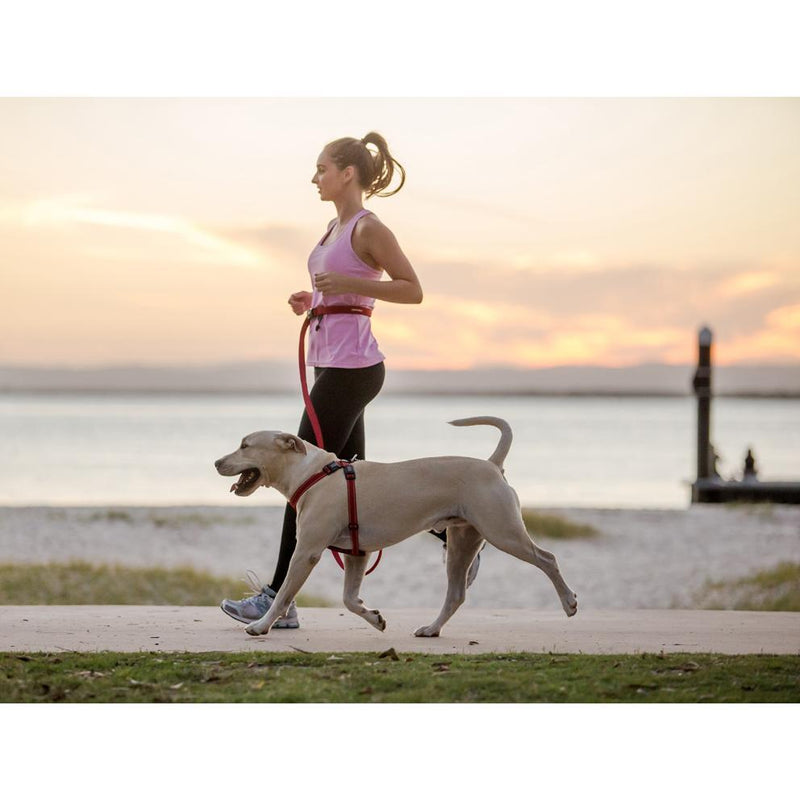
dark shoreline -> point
(599, 393)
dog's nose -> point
(217, 463)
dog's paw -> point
(253, 629)
(571, 604)
(376, 620)
(427, 630)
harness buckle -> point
(349, 472)
(328, 469)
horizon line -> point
(589, 393)
(292, 362)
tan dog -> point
(468, 496)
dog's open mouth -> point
(247, 480)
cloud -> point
(74, 210)
(779, 337)
(277, 240)
(479, 315)
(747, 283)
(461, 334)
(786, 318)
(648, 294)
(577, 309)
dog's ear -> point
(286, 441)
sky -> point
(544, 231)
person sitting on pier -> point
(750, 471)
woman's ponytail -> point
(376, 169)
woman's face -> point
(329, 179)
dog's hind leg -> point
(463, 544)
(354, 568)
(526, 549)
(508, 533)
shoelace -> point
(256, 586)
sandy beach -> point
(643, 559)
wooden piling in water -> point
(708, 486)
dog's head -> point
(259, 459)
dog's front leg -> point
(303, 561)
(354, 568)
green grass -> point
(551, 526)
(81, 583)
(393, 678)
(776, 589)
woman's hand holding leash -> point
(331, 283)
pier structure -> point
(709, 487)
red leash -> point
(320, 311)
(349, 471)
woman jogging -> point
(346, 268)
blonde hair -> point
(375, 170)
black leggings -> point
(339, 397)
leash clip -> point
(310, 315)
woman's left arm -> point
(376, 244)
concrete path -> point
(203, 629)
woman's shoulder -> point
(369, 226)
(369, 237)
(372, 237)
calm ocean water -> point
(135, 449)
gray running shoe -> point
(251, 608)
(472, 572)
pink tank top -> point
(342, 340)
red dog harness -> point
(352, 507)
(328, 469)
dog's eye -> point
(244, 444)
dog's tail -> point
(503, 446)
